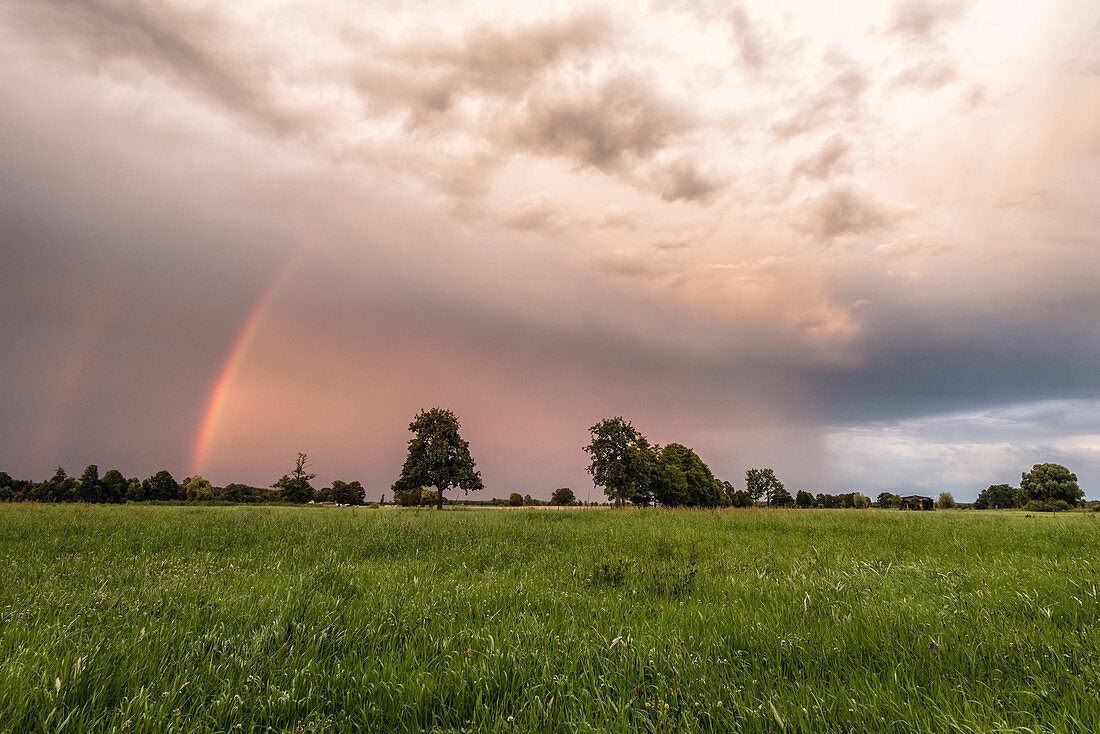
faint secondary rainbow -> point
(74, 369)
(216, 403)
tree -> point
(762, 483)
(860, 501)
(114, 486)
(781, 498)
(999, 497)
(161, 486)
(728, 493)
(563, 497)
(741, 498)
(515, 500)
(197, 489)
(946, 501)
(888, 500)
(622, 461)
(345, 493)
(682, 479)
(295, 487)
(438, 456)
(804, 499)
(1051, 483)
(88, 489)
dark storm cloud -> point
(922, 19)
(831, 158)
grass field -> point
(263, 619)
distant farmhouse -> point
(916, 502)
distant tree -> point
(860, 501)
(161, 486)
(741, 498)
(197, 489)
(295, 487)
(515, 499)
(622, 461)
(681, 479)
(1051, 483)
(563, 497)
(136, 491)
(761, 483)
(946, 501)
(888, 500)
(113, 486)
(780, 498)
(438, 456)
(728, 493)
(407, 497)
(345, 493)
(88, 489)
(804, 499)
(999, 497)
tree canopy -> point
(1050, 483)
(438, 456)
(295, 487)
(682, 479)
(762, 483)
(622, 461)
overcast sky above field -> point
(856, 242)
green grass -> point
(184, 619)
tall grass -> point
(165, 619)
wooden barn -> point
(916, 502)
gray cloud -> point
(187, 46)
(683, 182)
(847, 210)
(749, 41)
(922, 19)
(622, 120)
(927, 75)
(837, 97)
(832, 158)
(426, 78)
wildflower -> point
(666, 706)
(648, 704)
(719, 704)
(511, 719)
(696, 704)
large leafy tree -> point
(682, 479)
(295, 487)
(438, 456)
(562, 497)
(622, 461)
(161, 486)
(761, 483)
(1051, 483)
(347, 493)
(999, 497)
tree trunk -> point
(439, 500)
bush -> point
(1049, 506)
(946, 501)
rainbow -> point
(76, 364)
(215, 404)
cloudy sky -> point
(856, 242)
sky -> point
(858, 243)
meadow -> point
(255, 619)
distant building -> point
(916, 502)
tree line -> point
(622, 461)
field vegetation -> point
(192, 618)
